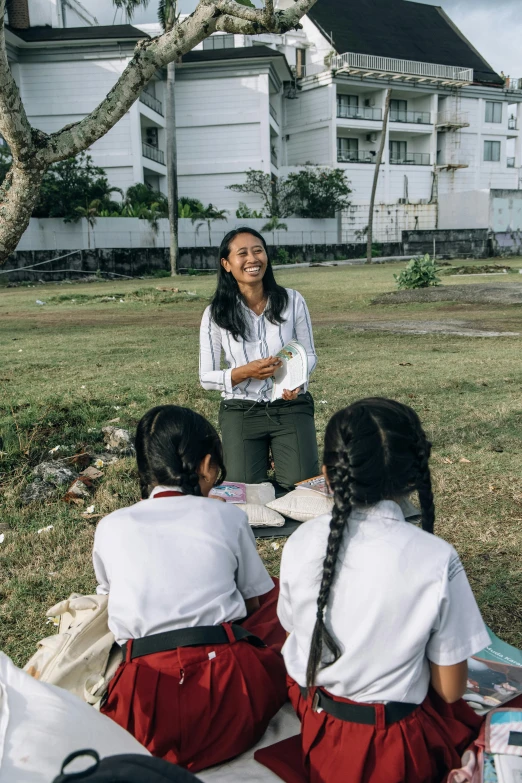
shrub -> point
(421, 272)
(282, 256)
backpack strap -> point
(84, 773)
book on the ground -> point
(494, 675)
(293, 371)
(315, 484)
(230, 491)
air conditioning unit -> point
(403, 201)
(369, 102)
(371, 137)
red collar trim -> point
(168, 493)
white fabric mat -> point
(285, 724)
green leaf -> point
(246, 2)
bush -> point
(282, 256)
(421, 272)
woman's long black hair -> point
(225, 307)
(171, 442)
(374, 450)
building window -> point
(398, 151)
(347, 149)
(348, 106)
(493, 111)
(300, 63)
(492, 151)
(219, 42)
(398, 110)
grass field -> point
(69, 367)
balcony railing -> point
(513, 84)
(273, 113)
(153, 153)
(356, 113)
(370, 65)
(452, 119)
(349, 156)
(511, 163)
(152, 102)
(512, 123)
(421, 117)
(273, 157)
(411, 159)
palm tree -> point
(274, 224)
(90, 212)
(208, 215)
(167, 15)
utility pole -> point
(376, 176)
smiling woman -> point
(250, 319)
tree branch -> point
(14, 125)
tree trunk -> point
(172, 168)
(376, 177)
(18, 196)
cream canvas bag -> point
(83, 656)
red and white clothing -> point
(400, 599)
(176, 562)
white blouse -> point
(400, 599)
(176, 562)
(266, 339)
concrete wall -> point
(472, 243)
(505, 211)
(126, 233)
(389, 222)
(134, 262)
(464, 210)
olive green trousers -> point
(286, 428)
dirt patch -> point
(458, 328)
(492, 293)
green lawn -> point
(69, 367)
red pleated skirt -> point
(195, 710)
(421, 748)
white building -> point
(276, 103)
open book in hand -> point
(293, 371)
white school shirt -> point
(400, 599)
(265, 339)
(176, 562)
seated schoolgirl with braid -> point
(190, 602)
(380, 628)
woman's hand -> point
(260, 369)
(291, 395)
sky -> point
(494, 27)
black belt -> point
(188, 637)
(394, 711)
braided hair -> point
(374, 450)
(171, 442)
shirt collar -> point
(164, 489)
(384, 510)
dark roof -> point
(117, 32)
(237, 53)
(402, 29)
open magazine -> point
(494, 675)
(230, 492)
(294, 370)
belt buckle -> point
(315, 702)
